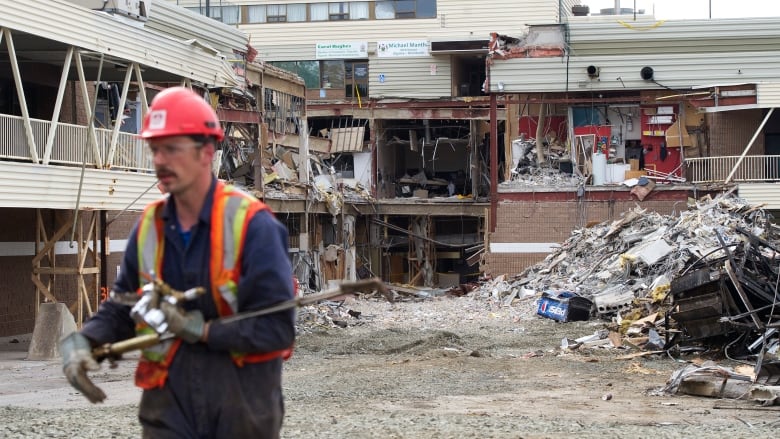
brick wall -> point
(72, 110)
(17, 292)
(553, 222)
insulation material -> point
(676, 136)
(651, 252)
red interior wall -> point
(558, 124)
(651, 145)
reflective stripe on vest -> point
(150, 234)
(150, 256)
(230, 219)
(231, 212)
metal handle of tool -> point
(345, 288)
(113, 351)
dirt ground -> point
(441, 368)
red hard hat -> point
(179, 111)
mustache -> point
(160, 172)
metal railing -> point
(72, 145)
(754, 168)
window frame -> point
(412, 12)
(342, 13)
(279, 17)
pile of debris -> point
(706, 278)
(529, 169)
(544, 177)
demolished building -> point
(74, 84)
(400, 168)
(568, 108)
(615, 111)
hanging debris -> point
(528, 169)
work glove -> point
(76, 361)
(188, 326)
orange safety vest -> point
(230, 215)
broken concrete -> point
(53, 322)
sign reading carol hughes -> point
(342, 50)
(402, 48)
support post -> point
(493, 161)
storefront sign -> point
(390, 49)
(342, 50)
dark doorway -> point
(468, 74)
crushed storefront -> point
(610, 116)
(393, 189)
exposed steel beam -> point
(238, 116)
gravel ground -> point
(441, 368)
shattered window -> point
(384, 10)
(308, 70)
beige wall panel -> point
(410, 77)
(79, 27)
(478, 19)
(761, 193)
(28, 186)
(457, 19)
(672, 70)
(607, 35)
(768, 95)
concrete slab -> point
(41, 384)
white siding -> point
(462, 18)
(672, 70)
(768, 95)
(31, 186)
(605, 36)
(410, 77)
(181, 23)
(79, 27)
(404, 77)
(296, 41)
(456, 20)
(761, 193)
(566, 6)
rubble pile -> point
(706, 278)
(637, 256)
(328, 314)
(544, 177)
(528, 171)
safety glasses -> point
(173, 150)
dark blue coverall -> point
(207, 395)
